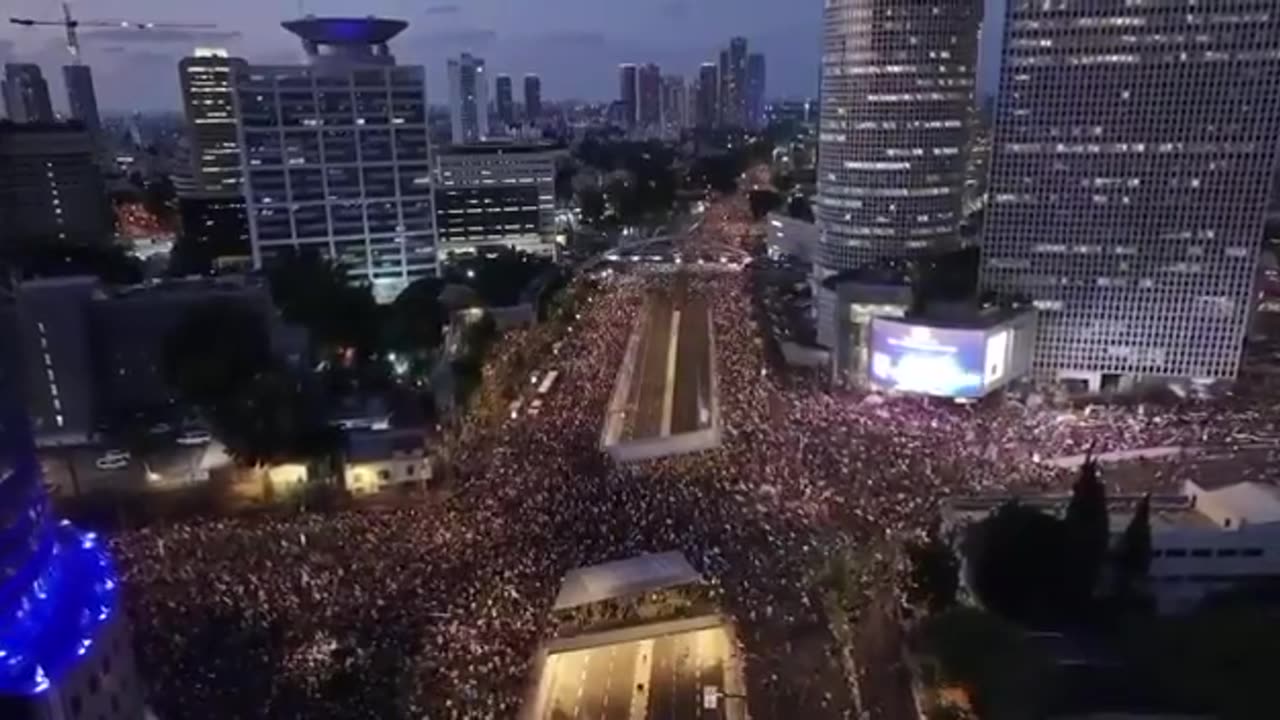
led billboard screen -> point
(932, 361)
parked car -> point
(111, 463)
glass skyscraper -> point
(1135, 146)
(337, 156)
(897, 85)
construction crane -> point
(73, 39)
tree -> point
(312, 292)
(591, 201)
(1088, 533)
(763, 202)
(1017, 562)
(1133, 553)
(414, 321)
(935, 573)
(800, 209)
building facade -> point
(650, 97)
(337, 157)
(629, 94)
(505, 100)
(68, 651)
(675, 105)
(81, 98)
(496, 195)
(51, 187)
(707, 107)
(733, 84)
(468, 99)
(26, 94)
(532, 99)
(755, 90)
(1131, 169)
(896, 91)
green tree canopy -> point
(1018, 561)
(316, 294)
(1088, 529)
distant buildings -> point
(26, 94)
(675, 105)
(707, 105)
(81, 98)
(532, 99)
(801, 112)
(649, 114)
(336, 154)
(505, 101)
(755, 89)
(629, 94)
(468, 99)
(1130, 181)
(51, 187)
(494, 195)
(733, 83)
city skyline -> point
(137, 71)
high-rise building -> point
(1129, 182)
(468, 99)
(67, 645)
(629, 94)
(209, 182)
(505, 101)
(755, 89)
(894, 128)
(51, 187)
(532, 99)
(733, 83)
(337, 155)
(675, 104)
(492, 195)
(26, 94)
(81, 98)
(707, 104)
(649, 114)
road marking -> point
(669, 389)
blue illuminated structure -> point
(57, 585)
(344, 39)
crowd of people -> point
(436, 610)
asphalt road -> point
(650, 381)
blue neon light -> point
(59, 588)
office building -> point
(337, 155)
(492, 195)
(1131, 170)
(81, 98)
(894, 128)
(675, 104)
(67, 645)
(209, 181)
(468, 99)
(505, 101)
(629, 94)
(56, 357)
(707, 108)
(532, 99)
(649, 94)
(733, 83)
(755, 89)
(51, 188)
(26, 94)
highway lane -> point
(693, 369)
(652, 369)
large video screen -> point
(931, 361)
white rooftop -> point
(1240, 503)
(621, 578)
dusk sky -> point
(575, 45)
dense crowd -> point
(436, 610)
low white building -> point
(1210, 538)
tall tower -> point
(532, 99)
(505, 101)
(755, 85)
(896, 89)
(468, 99)
(629, 93)
(81, 98)
(675, 104)
(707, 105)
(66, 640)
(649, 114)
(1134, 151)
(26, 94)
(337, 157)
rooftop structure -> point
(347, 39)
(623, 578)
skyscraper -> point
(532, 99)
(894, 127)
(724, 89)
(707, 110)
(51, 188)
(650, 97)
(506, 103)
(209, 185)
(628, 94)
(1129, 182)
(26, 94)
(733, 82)
(337, 155)
(755, 89)
(81, 98)
(468, 99)
(675, 104)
